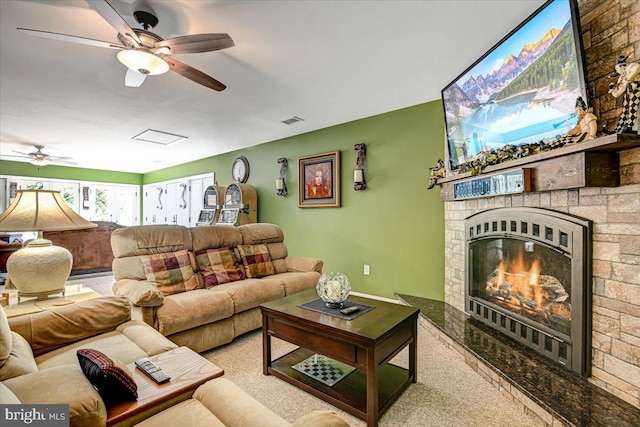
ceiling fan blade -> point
(114, 19)
(196, 43)
(16, 157)
(194, 75)
(70, 38)
(62, 160)
(59, 158)
(133, 78)
(19, 152)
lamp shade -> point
(41, 210)
(143, 62)
(40, 269)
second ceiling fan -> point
(145, 53)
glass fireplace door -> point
(524, 278)
(528, 275)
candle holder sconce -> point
(281, 185)
(359, 180)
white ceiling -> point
(328, 62)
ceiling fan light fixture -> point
(143, 62)
(39, 162)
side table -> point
(187, 369)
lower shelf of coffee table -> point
(348, 394)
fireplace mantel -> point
(587, 164)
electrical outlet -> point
(366, 269)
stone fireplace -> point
(528, 275)
(609, 29)
(614, 266)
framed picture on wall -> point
(319, 180)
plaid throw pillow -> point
(112, 379)
(218, 266)
(171, 273)
(256, 260)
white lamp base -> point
(40, 269)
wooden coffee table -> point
(367, 343)
(187, 369)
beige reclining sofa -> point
(202, 286)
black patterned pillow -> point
(112, 379)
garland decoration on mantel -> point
(513, 152)
(504, 154)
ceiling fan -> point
(145, 53)
(39, 158)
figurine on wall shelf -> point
(628, 87)
(587, 126)
(438, 171)
(585, 129)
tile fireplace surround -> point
(615, 213)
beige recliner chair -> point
(38, 365)
(221, 403)
(38, 361)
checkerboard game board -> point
(324, 369)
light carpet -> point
(448, 391)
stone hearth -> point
(554, 395)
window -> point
(117, 203)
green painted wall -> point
(395, 225)
(62, 172)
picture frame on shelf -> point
(319, 180)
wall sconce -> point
(281, 185)
(359, 181)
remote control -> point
(350, 310)
(152, 370)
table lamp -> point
(40, 269)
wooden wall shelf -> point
(587, 164)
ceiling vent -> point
(159, 137)
(292, 120)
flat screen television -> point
(521, 91)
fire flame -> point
(523, 279)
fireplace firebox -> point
(529, 276)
